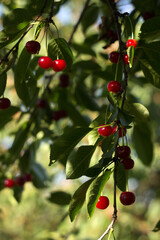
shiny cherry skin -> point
(105, 131)
(33, 47)
(103, 202)
(128, 163)
(131, 42)
(127, 198)
(9, 183)
(114, 57)
(114, 87)
(126, 59)
(64, 80)
(123, 151)
(122, 131)
(45, 62)
(59, 65)
(4, 103)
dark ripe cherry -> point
(131, 42)
(128, 163)
(28, 177)
(112, 35)
(57, 115)
(64, 80)
(147, 15)
(9, 183)
(127, 198)
(20, 180)
(4, 103)
(105, 131)
(59, 65)
(114, 57)
(103, 202)
(126, 59)
(123, 151)
(114, 87)
(122, 131)
(41, 103)
(45, 62)
(33, 47)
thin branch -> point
(18, 42)
(79, 20)
(121, 48)
(108, 229)
(51, 12)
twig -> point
(108, 229)
(51, 12)
(121, 48)
(32, 24)
(79, 20)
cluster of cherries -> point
(123, 154)
(114, 56)
(45, 62)
(18, 180)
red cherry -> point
(57, 115)
(128, 163)
(131, 42)
(121, 130)
(114, 57)
(126, 59)
(33, 47)
(20, 180)
(28, 177)
(64, 80)
(123, 151)
(45, 62)
(41, 103)
(105, 131)
(9, 183)
(4, 103)
(103, 202)
(59, 65)
(114, 87)
(127, 198)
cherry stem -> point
(79, 20)
(24, 34)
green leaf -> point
(39, 174)
(17, 192)
(87, 65)
(16, 20)
(62, 147)
(150, 29)
(20, 77)
(93, 171)
(6, 116)
(84, 98)
(19, 141)
(121, 177)
(78, 161)
(139, 111)
(3, 80)
(95, 190)
(59, 48)
(78, 199)
(83, 48)
(124, 117)
(90, 16)
(157, 227)
(143, 143)
(60, 198)
(150, 74)
(39, 28)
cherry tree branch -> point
(79, 20)
(116, 15)
(28, 29)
